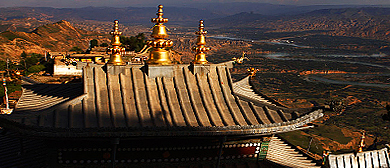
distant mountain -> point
(350, 12)
(176, 14)
(22, 25)
(356, 22)
(59, 36)
(240, 19)
(262, 8)
(239, 7)
(125, 15)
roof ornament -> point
(325, 155)
(241, 59)
(200, 49)
(362, 142)
(252, 71)
(116, 50)
(159, 55)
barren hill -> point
(59, 36)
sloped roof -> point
(282, 154)
(374, 158)
(124, 101)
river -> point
(281, 56)
(312, 78)
(258, 41)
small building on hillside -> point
(65, 63)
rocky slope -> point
(59, 36)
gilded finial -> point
(116, 56)
(159, 54)
(362, 142)
(241, 59)
(200, 49)
(252, 71)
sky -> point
(152, 3)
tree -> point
(33, 63)
(133, 43)
(77, 49)
(337, 106)
(104, 45)
(30, 60)
(3, 65)
(93, 43)
(387, 116)
(23, 55)
(36, 68)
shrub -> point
(36, 68)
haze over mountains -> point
(143, 14)
(242, 18)
(242, 14)
(368, 22)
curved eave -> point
(244, 90)
(281, 153)
(39, 97)
(266, 129)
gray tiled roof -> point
(124, 101)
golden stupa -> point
(200, 49)
(159, 55)
(116, 50)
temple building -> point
(158, 114)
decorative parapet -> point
(374, 158)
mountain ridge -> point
(58, 36)
(174, 12)
(126, 14)
(370, 22)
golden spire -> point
(116, 56)
(200, 49)
(241, 59)
(159, 54)
(252, 71)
